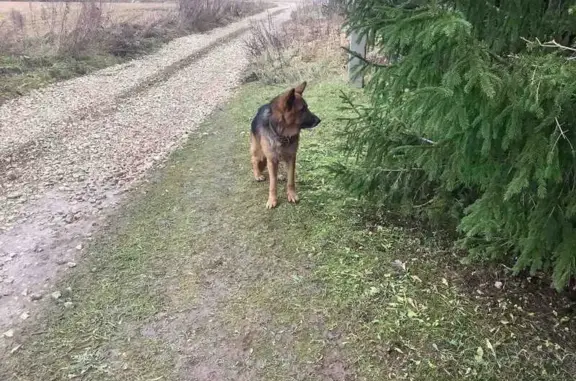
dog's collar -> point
(284, 140)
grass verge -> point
(394, 297)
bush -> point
(202, 15)
(300, 49)
(473, 123)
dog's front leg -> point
(273, 176)
(291, 186)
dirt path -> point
(193, 281)
(70, 151)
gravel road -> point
(70, 151)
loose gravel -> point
(70, 151)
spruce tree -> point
(474, 118)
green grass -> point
(300, 292)
(425, 323)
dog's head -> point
(291, 110)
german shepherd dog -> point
(274, 138)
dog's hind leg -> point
(258, 159)
(258, 165)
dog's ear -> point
(301, 87)
(286, 100)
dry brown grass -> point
(306, 47)
(38, 18)
(72, 26)
(41, 42)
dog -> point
(274, 138)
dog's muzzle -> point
(312, 122)
(316, 121)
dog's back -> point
(261, 121)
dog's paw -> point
(260, 178)
(271, 204)
(292, 197)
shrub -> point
(202, 15)
(300, 49)
(472, 123)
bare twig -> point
(562, 134)
(356, 55)
(550, 44)
(425, 140)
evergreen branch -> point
(498, 58)
(347, 100)
(387, 170)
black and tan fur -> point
(274, 138)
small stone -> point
(13, 196)
(25, 315)
(12, 255)
(11, 176)
(25, 292)
(34, 297)
(79, 247)
(15, 349)
(71, 264)
(498, 284)
(9, 333)
(399, 265)
(68, 304)
(56, 295)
